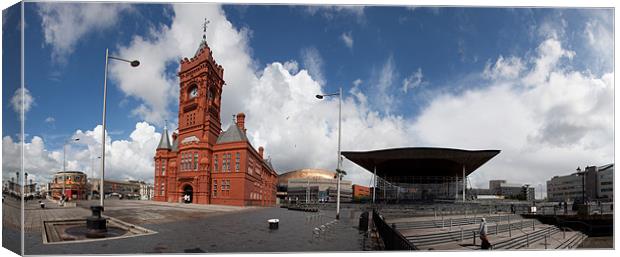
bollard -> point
(474, 236)
(509, 230)
(545, 242)
(461, 234)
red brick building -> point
(204, 163)
(361, 193)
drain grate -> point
(74, 231)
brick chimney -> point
(241, 121)
(261, 150)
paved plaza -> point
(190, 228)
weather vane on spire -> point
(204, 29)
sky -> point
(535, 83)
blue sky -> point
(513, 79)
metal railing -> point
(392, 239)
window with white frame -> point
(215, 163)
(237, 161)
(214, 188)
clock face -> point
(193, 93)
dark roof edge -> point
(421, 148)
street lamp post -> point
(338, 169)
(92, 174)
(133, 63)
(64, 163)
(583, 184)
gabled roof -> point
(164, 142)
(232, 134)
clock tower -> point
(203, 164)
(201, 82)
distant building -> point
(606, 182)
(130, 189)
(146, 191)
(500, 189)
(119, 189)
(312, 185)
(594, 183)
(74, 184)
(361, 193)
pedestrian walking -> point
(485, 244)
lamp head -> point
(135, 63)
(319, 96)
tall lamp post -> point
(133, 63)
(583, 184)
(64, 163)
(339, 171)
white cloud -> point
(125, 159)
(307, 132)
(357, 82)
(383, 80)
(50, 120)
(549, 54)
(562, 120)
(166, 45)
(331, 11)
(509, 68)
(22, 100)
(414, 80)
(38, 162)
(347, 38)
(65, 23)
(313, 62)
(600, 39)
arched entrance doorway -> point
(188, 196)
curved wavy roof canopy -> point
(421, 161)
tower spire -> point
(164, 142)
(204, 29)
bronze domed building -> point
(312, 185)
